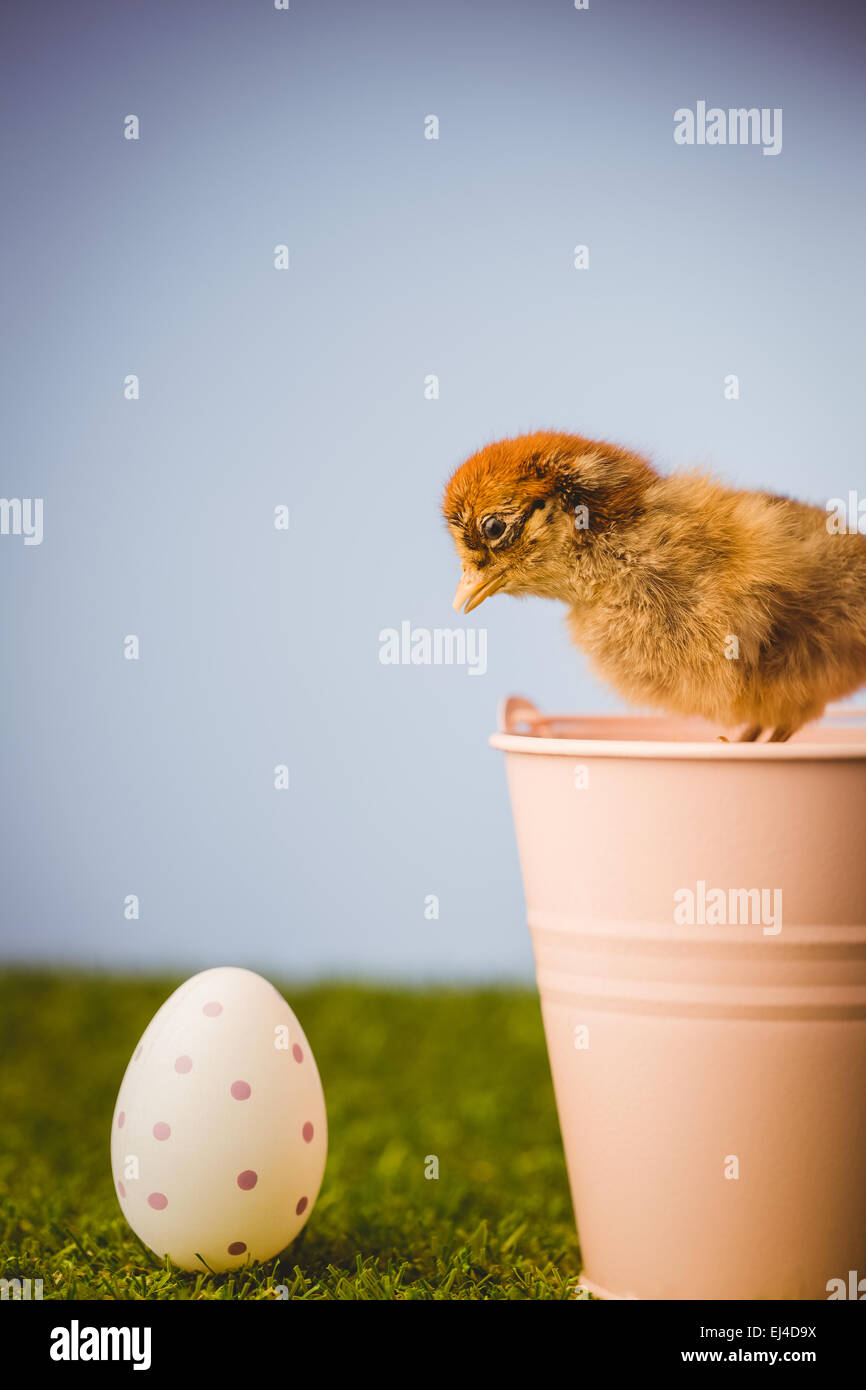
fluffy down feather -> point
(688, 595)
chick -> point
(688, 596)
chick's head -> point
(511, 511)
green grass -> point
(462, 1075)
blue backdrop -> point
(310, 388)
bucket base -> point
(598, 1292)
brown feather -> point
(667, 572)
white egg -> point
(219, 1136)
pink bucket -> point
(698, 915)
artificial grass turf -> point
(462, 1075)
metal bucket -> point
(698, 915)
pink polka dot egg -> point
(219, 1136)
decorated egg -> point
(219, 1135)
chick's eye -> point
(492, 527)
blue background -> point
(306, 387)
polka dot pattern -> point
(232, 1057)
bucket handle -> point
(517, 715)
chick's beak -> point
(474, 588)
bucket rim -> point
(847, 745)
(663, 750)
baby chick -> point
(689, 596)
